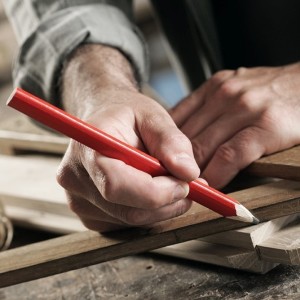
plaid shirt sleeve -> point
(48, 31)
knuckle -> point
(270, 118)
(68, 170)
(226, 154)
(229, 88)
(61, 176)
(238, 154)
(241, 71)
(220, 76)
(247, 101)
(65, 176)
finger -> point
(244, 148)
(123, 215)
(223, 129)
(117, 182)
(139, 217)
(219, 100)
(168, 144)
(181, 112)
(193, 102)
(85, 209)
(122, 184)
(90, 188)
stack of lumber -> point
(199, 235)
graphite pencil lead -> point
(244, 215)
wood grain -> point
(221, 255)
(284, 164)
(35, 181)
(12, 142)
(51, 222)
(234, 248)
(38, 201)
(251, 236)
(282, 247)
(86, 248)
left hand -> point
(238, 116)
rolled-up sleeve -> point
(48, 31)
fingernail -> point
(181, 191)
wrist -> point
(91, 70)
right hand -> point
(106, 193)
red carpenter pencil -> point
(109, 146)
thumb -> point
(167, 143)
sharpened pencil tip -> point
(255, 221)
(244, 215)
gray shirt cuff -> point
(42, 54)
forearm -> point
(92, 70)
(49, 31)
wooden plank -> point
(222, 255)
(11, 142)
(35, 180)
(234, 248)
(284, 164)
(32, 218)
(49, 211)
(42, 205)
(46, 196)
(282, 247)
(249, 237)
(38, 202)
(86, 248)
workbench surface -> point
(156, 277)
(152, 276)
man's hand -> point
(238, 116)
(99, 87)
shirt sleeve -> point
(48, 31)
